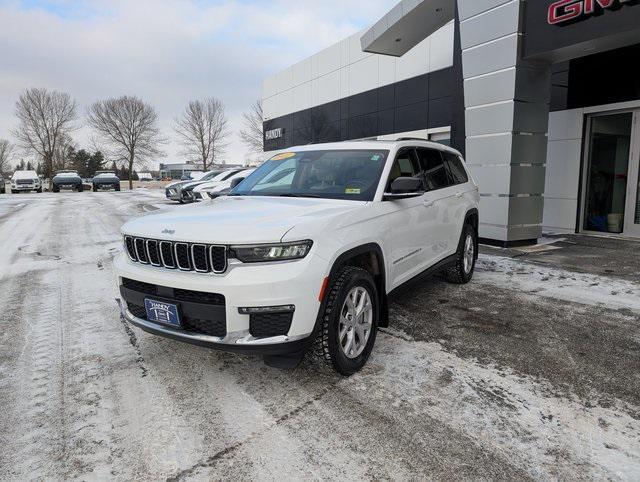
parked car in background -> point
(2, 185)
(105, 180)
(173, 190)
(145, 176)
(192, 176)
(212, 190)
(25, 181)
(187, 191)
(67, 180)
(279, 268)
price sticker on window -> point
(284, 155)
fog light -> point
(266, 309)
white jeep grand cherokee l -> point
(308, 258)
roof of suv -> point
(372, 144)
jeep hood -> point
(240, 219)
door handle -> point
(459, 194)
(428, 204)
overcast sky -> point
(165, 51)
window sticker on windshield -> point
(284, 155)
(352, 190)
(375, 157)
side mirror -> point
(236, 181)
(404, 188)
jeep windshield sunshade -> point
(331, 174)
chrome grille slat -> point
(141, 250)
(194, 257)
(153, 256)
(178, 247)
(170, 264)
(218, 266)
(130, 248)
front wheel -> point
(461, 271)
(349, 321)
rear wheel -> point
(55, 189)
(118, 187)
(95, 188)
(349, 321)
(462, 271)
(80, 188)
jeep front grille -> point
(202, 258)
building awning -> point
(406, 25)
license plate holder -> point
(163, 312)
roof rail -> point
(412, 139)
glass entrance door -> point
(610, 180)
(632, 223)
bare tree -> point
(6, 151)
(63, 154)
(45, 117)
(202, 129)
(129, 127)
(252, 134)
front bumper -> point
(260, 285)
(173, 194)
(25, 187)
(238, 342)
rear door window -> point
(456, 169)
(434, 169)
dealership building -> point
(542, 97)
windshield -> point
(67, 174)
(209, 176)
(336, 174)
(106, 174)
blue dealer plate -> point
(162, 312)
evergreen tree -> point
(95, 163)
(80, 162)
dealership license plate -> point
(162, 312)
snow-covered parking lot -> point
(532, 371)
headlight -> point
(272, 252)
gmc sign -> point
(564, 11)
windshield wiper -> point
(294, 194)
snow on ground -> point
(86, 396)
(559, 284)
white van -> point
(25, 181)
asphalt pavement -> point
(532, 371)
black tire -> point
(14, 191)
(461, 273)
(327, 344)
(80, 188)
(56, 189)
(118, 187)
(95, 188)
(39, 190)
(2, 191)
